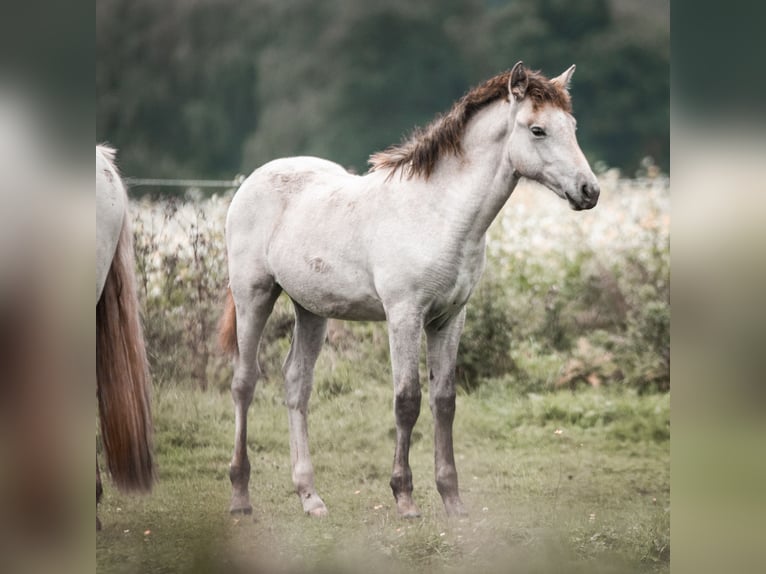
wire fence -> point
(661, 181)
(184, 183)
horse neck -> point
(475, 185)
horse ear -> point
(564, 79)
(517, 85)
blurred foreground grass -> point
(554, 482)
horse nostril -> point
(589, 192)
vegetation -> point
(553, 483)
(215, 87)
(562, 426)
(561, 436)
(567, 299)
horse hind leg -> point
(298, 369)
(253, 307)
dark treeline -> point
(210, 88)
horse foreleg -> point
(404, 330)
(442, 354)
(252, 313)
(298, 369)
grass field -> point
(555, 482)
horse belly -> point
(329, 293)
(350, 306)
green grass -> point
(582, 304)
(593, 497)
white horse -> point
(121, 368)
(404, 243)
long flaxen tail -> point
(227, 328)
(123, 376)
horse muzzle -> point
(586, 197)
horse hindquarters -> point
(122, 375)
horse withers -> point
(403, 243)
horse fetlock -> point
(239, 473)
(240, 496)
(446, 484)
(304, 482)
(401, 483)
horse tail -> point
(227, 328)
(122, 375)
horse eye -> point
(538, 131)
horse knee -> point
(407, 405)
(243, 387)
(443, 404)
(401, 480)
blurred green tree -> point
(213, 87)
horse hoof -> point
(241, 510)
(314, 506)
(407, 509)
(319, 512)
(455, 509)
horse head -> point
(542, 145)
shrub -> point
(566, 299)
(486, 340)
(181, 268)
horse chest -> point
(455, 287)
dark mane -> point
(419, 154)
